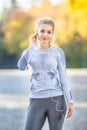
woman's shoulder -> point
(60, 53)
(58, 49)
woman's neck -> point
(44, 46)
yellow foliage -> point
(15, 24)
(24, 44)
(69, 17)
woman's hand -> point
(69, 110)
(33, 39)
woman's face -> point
(45, 34)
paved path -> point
(14, 99)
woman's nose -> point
(45, 34)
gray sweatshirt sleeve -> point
(24, 59)
(63, 76)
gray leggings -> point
(53, 108)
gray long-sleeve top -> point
(48, 76)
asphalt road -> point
(14, 87)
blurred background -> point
(17, 23)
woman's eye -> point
(49, 32)
(42, 31)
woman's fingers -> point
(69, 110)
(33, 38)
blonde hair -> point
(45, 21)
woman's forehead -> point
(46, 27)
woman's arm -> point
(65, 82)
(63, 76)
(24, 59)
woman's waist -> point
(44, 75)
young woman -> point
(50, 94)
